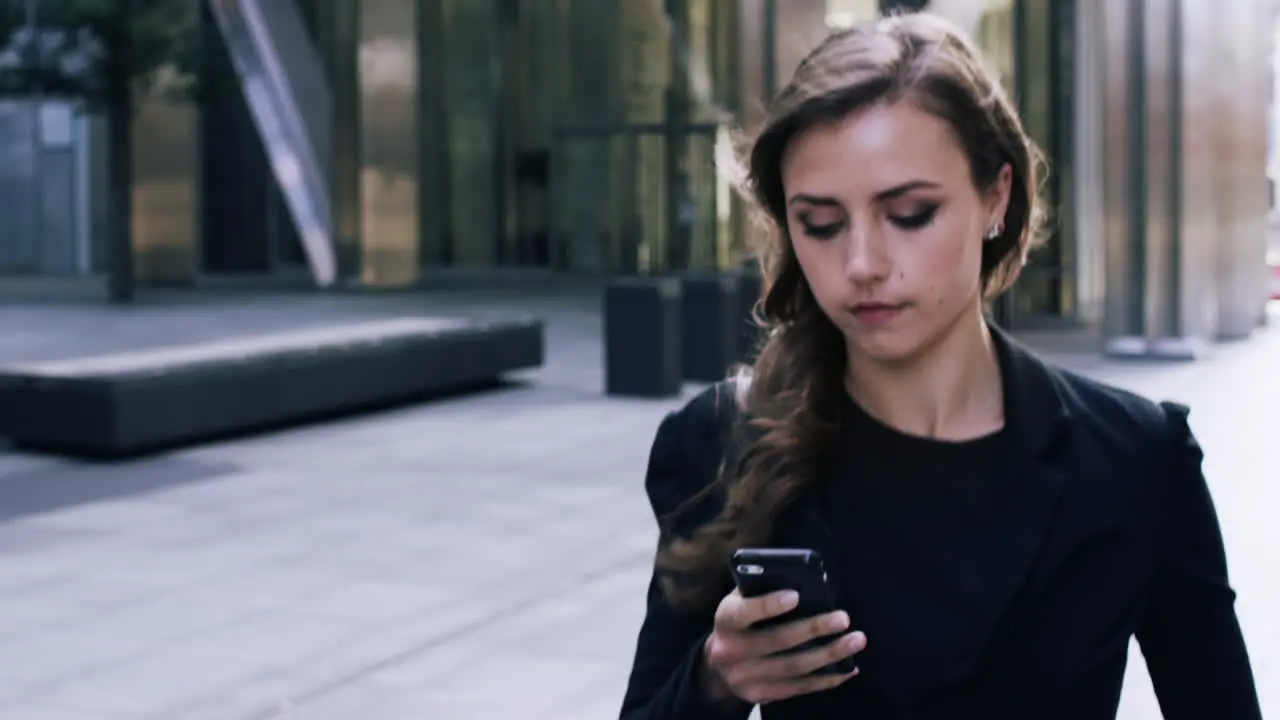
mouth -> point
(874, 313)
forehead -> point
(878, 147)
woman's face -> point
(888, 227)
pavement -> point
(473, 558)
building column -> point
(388, 58)
(1166, 328)
(1185, 160)
(1122, 152)
(1243, 34)
(1089, 181)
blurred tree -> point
(105, 52)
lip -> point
(875, 313)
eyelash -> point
(822, 232)
(916, 221)
(903, 222)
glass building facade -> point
(580, 137)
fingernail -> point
(855, 641)
(839, 622)
(789, 599)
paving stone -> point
(392, 565)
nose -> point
(866, 258)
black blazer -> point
(1112, 534)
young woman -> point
(996, 529)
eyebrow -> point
(894, 192)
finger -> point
(783, 689)
(800, 665)
(792, 634)
(737, 614)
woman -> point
(996, 529)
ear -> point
(998, 196)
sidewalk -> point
(482, 557)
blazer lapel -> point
(1036, 417)
(1003, 554)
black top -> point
(998, 578)
(916, 504)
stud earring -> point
(996, 231)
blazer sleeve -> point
(1190, 635)
(668, 656)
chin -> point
(884, 347)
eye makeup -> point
(916, 220)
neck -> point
(951, 390)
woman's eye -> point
(822, 232)
(914, 221)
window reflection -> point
(1030, 44)
(995, 35)
(504, 84)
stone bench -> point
(124, 403)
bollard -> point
(750, 288)
(642, 355)
(711, 336)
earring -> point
(996, 231)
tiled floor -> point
(481, 557)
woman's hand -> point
(743, 663)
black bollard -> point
(710, 318)
(642, 355)
(750, 288)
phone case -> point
(759, 571)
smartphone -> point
(759, 571)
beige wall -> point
(165, 210)
(389, 132)
(843, 13)
(968, 14)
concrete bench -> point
(124, 403)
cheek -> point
(816, 261)
(823, 267)
(944, 264)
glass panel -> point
(472, 97)
(283, 84)
(995, 35)
(434, 190)
(388, 65)
(1062, 152)
(338, 43)
(1037, 289)
(1029, 43)
(1044, 81)
(529, 111)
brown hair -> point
(791, 405)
